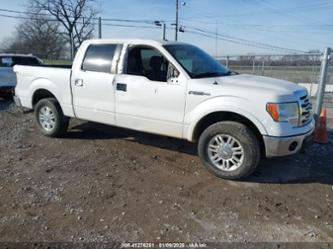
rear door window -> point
(99, 58)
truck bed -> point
(54, 77)
(65, 66)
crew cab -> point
(172, 89)
(7, 75)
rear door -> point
(92, 84)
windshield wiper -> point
(208, 74)
(232, 73)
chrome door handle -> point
(78, 82)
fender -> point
(45, 84)
(233, 104)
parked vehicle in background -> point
(173, 89)
(8, 76)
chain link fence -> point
(303, 69)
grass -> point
(57, 62)
(293, 74)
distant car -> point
(8, 76)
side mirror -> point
(173, 74)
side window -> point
(6, 62)
(148, 62)
(99, 58)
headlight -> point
(284, 112)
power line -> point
(195, 30)
(261, 25)
(226, 36)
(284, 36)
(289, 13)
(177, 20)
(273, 10)
(130, 26)
(103, 19)
(241, 41)
(54, 20)
(29, 18)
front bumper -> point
(285, 146)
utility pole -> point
(176, 29)
(322, 82)
(72, 46)
(216, 40)
(163, 25)
(100, 28)
(164, 31)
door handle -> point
(78, 82)
(122, 87)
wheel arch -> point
(218, 116)
(41, 93)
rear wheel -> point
(50, 119)
(229, 150)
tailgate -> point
(7, 77)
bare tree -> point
(76, 16)
(37, 36)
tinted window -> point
(99, 58)
(10, 61)
(148, 62)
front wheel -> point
(229, 150)
(50, 119)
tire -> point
(243, 152)
(50, 119)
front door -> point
(92, 84)
(146, 98)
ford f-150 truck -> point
(172, 89)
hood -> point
(280, 87)
(251, 87)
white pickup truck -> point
(172, 89)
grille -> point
(306, 110)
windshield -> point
(196, 62)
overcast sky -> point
(298, 24)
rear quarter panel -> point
(55, 80)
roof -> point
(133, 41)
(18, 55)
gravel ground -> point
(102, 183)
